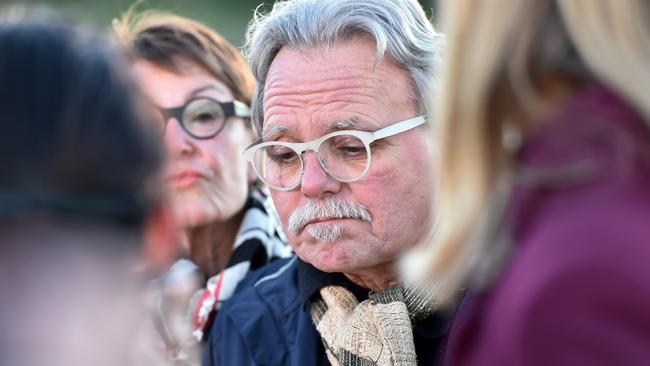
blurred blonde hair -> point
(499, 52)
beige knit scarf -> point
(377, 331)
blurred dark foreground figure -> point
(545, 199)
(80, 197)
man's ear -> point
(160, 247)
(252, 177)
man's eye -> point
(352, 150)
(281, 155)
(283, 158)
(348, 146)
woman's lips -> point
(183, 180)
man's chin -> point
(327, 259)
(324, 232)
(329, 267)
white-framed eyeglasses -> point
(344, 155)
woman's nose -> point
(177, 141)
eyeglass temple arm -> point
(241, 109)
(399, 127)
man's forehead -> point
(350, 64)
(339, 87)
(362, 50)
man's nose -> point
(178, 142)
(316, 183)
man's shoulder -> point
(264, 323)
(259, 322)
(274, 287)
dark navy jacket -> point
(264, 322)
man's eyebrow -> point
(353, 123)
(270, 131)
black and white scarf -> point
(260, 240)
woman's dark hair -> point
(164, 38)
(72, 133)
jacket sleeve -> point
(578, 319)
(578, 293)
(225, 346)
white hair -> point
(330, 207)
(400, 29)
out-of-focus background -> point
(228, 17)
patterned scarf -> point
(183, 324)
(260, 240)
(375, 332)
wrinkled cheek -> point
(283, 207)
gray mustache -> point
(329, 208)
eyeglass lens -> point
(344, 157)
(203, 117)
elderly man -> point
(345, 149)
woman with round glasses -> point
(200, 87)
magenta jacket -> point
(576, 289)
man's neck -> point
(375, 279)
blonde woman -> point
(545, 200)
